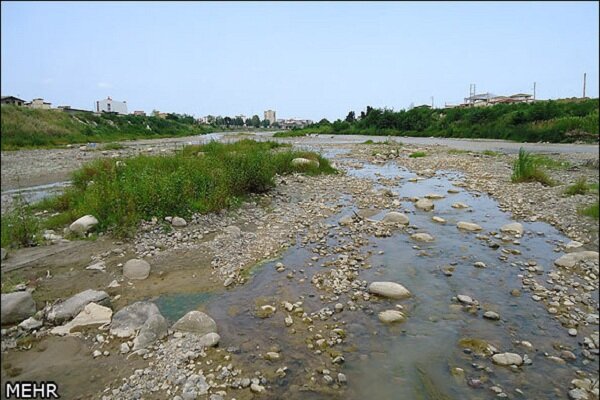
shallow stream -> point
(413, 359)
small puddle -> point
(411, 360)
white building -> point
(40, 104)
(110, 105)
(270, 116)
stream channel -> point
(418, 358)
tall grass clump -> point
(19, 225)
(196, 179)
(526, 169)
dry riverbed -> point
(287, 279)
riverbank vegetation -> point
(557, 121)
(121, 193)
(24, 127)
(527, 168)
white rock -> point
(16, 307)
(136, 269)
(468, 226)
(437, 219)
(459, 205)
(346, 220)
(297, 162)
(255, 387)
(573, 246)
(422, 237)
(395, 218)
(491, 315)
(391, 316)
(99, 266)
(92, 314)
(571, 259)
(83, 224)
(389, 289)
(507, 359)
(178, 222)
(424, 204)
(196, 322)
(124, 348)
(30, 324)
(75, 304)
(514, 228)
(434, 196)
(464, 299)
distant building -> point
(293, 123)
(39, 104)
(488, 99)
(158, 114)
(270, 116)
(70, 110)
(111, 106)
(12, 100)
(140, 113)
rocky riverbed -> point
(431, 277)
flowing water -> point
(414, 359)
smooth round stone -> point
(391, 316)
(389, 289)
(573, 332)
(491, 315)
(136, 269)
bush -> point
(579, 187)
(196, 179)
(526, 169)
(19, 226)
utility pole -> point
(584, 76)
(534, 91)
(431, 101)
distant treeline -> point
(549, 121)
(26, 127)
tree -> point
(248, 122)
(350, 117)
(227, 121)
(255, 121)
(266, 123)
(324, 121)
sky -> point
(303, 59)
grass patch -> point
(292, 133)
(591, 210)
(458, 151)
(526, 169)
(417, 154)
(579, 187)
(550, 163)
(202, 179)
(490, 153)
(112, 146)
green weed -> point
(526, 169)
(418, 154)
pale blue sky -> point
(305, 60)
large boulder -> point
(196, 322)
(389, 289)
(142, 320)
(83, 224)
(424, 204)
(571, 259)
(92, 314)
(395, 218)
(16, 307)
(468, 226)
(136, 269)
(300, 162)
(69, 308)
(514, 228)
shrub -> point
(526, 169)
(19, 226)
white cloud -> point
(104, 85)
